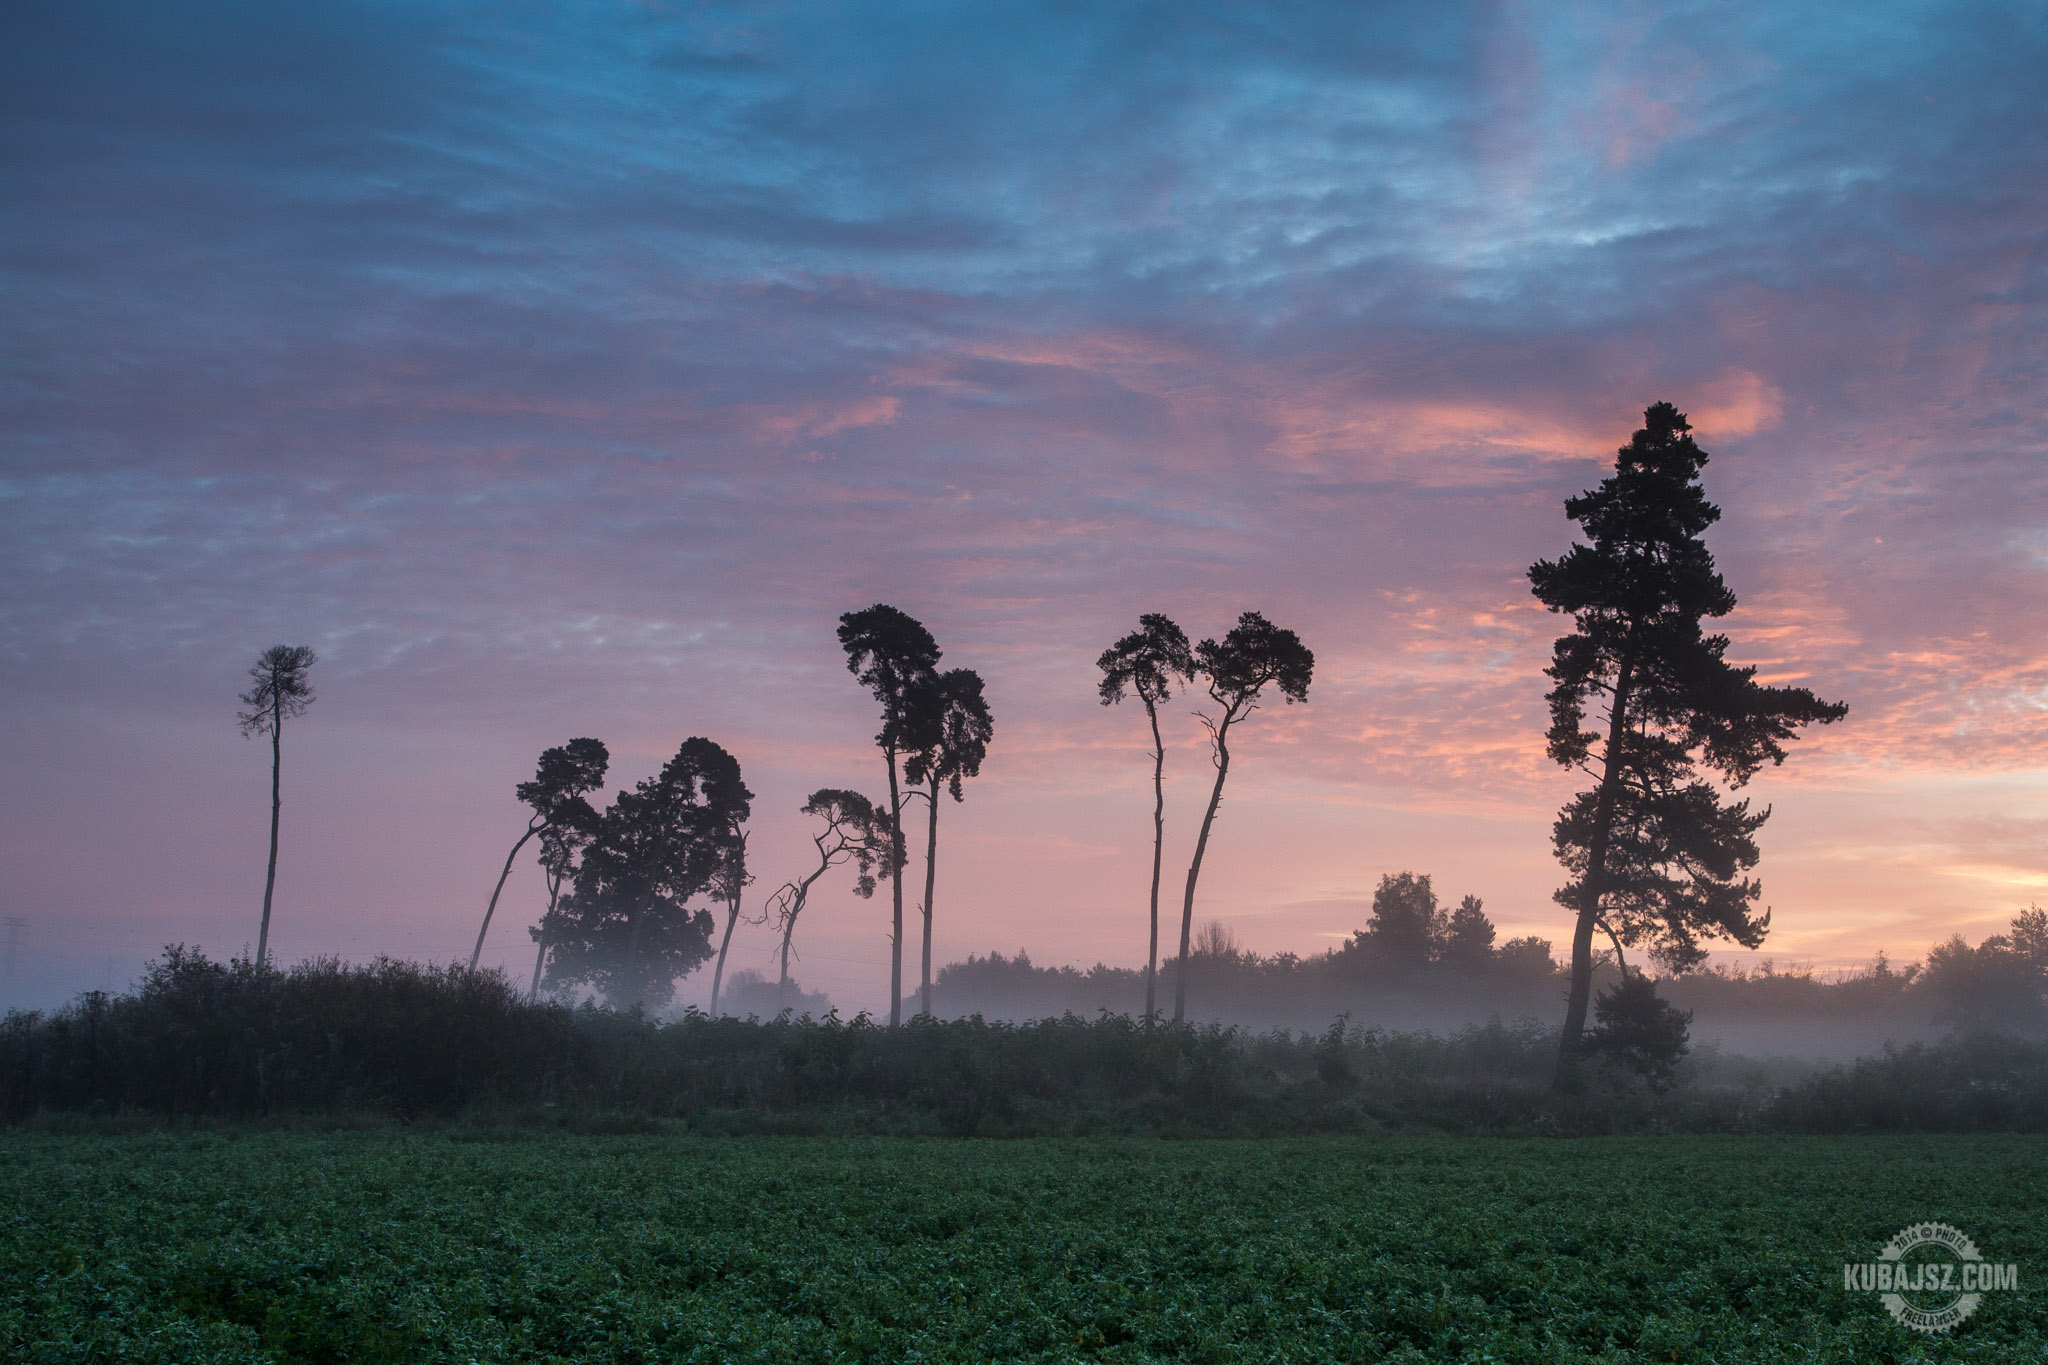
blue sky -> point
(568, 369)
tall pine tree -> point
(1655, 854)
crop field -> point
(486, 1245)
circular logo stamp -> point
(1930, 1277)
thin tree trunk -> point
(931, 879)
(276, 801)
(732, 919)
(803, 895)
(533, 991)
(1158, 850)
(532, 828)
(1590, 888)
(782, 986)
(633, 954)
(1187, 909)
(895, 893)
(554, 896)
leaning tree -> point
(1254, 655)
(949, 730)
(1147, 663)
(855, 831)
(1655, 855)
(561, 844)
(560, 780)
(280, 689)
(892, 655)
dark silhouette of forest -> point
(329, 1041)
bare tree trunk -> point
(1566, 1076)
(276, 801)
(732, 919)
(931, 879)
(782, 986)
(895, 894)
(1187, 909)
(1158, 850)
(541, 956)
(796, 907)
(633, 954)
(532, 828)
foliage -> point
(1253, 655)
(854, 831)
(279, 687)
(751, 995)
(1467, 941)
(626, 928)
(1638, 1030)
(948, 736)
(1654, 854)
(892, 655)
(202, 1039)
(199, 1038)
(1148, 662)
(489, 1245)
(2000, 986)
(1407, 925)
(1971, 1083)
(560, 779)
(948, 730)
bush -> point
(1637, 1030)
(331, 1042)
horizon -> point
(570, 374)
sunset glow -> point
(568, 371)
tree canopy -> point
(626, 927)
(1253, 655)
(1654, 853)
(560, 779)
(1148, 663)
(893, 656)
(279, 688)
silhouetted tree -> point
(949, 731)
(562, 841)
(1654, 853)
(1528, 956)
(2029, 937)
(1467, 943)
(1254, 654)
(2000, 986)
(1406, 924)
(560, 780)
(626, 927)
(1146, 663)
(280, 689)
(854, 831)
(891, 654)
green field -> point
(452, 1246)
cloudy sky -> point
(568, 369)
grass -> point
(482, 1244)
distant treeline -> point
(1416, 966)
(204, 1040)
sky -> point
(567, 369)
